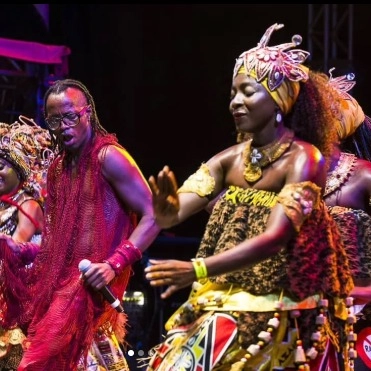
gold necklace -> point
(257, 158)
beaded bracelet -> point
(125, 254)
(200, 268)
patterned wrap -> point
(355, 227)
(317, 251)
(313, 263)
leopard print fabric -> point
(313, 262)
(317, 258)
(355, 227)
(231, 223)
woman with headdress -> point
(271, 272)
(348, 196)
(24, 156)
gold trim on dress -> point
(214, 297)
(341, 173)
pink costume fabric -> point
(84, 220)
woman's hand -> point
(176, 274)
(165, 197)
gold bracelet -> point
(200, 268)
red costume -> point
(84, 220)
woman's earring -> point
(279, 117)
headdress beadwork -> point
(350, 113)
(276, 63)
(27, 147)
(342, 84)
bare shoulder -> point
(304, 162)
(116, 160)
(363, 164)
(229, 154)
(306, 155)
(114, 153)
(111, 150)
(363, 169)
(306, 149)
(28, 203)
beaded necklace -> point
(257, 158)
(341, 173)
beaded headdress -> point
(276, 67)
(26, 146)
(350, 114)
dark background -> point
(160, 76)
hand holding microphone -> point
(105, 291)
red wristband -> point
(126, 254)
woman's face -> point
(9, 179)
(251, 105)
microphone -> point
(105, 291)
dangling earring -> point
(278, 117)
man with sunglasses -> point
(99, 207)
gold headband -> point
(278, 69)
(350, 113)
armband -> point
(125, 254)
(299, 200)
(201, 182)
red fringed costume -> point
(84, 220)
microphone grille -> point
(84, 265)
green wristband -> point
(200, 268)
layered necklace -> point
(341, 173)
(257, 158)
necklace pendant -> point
(252, 173)
(255, 156)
